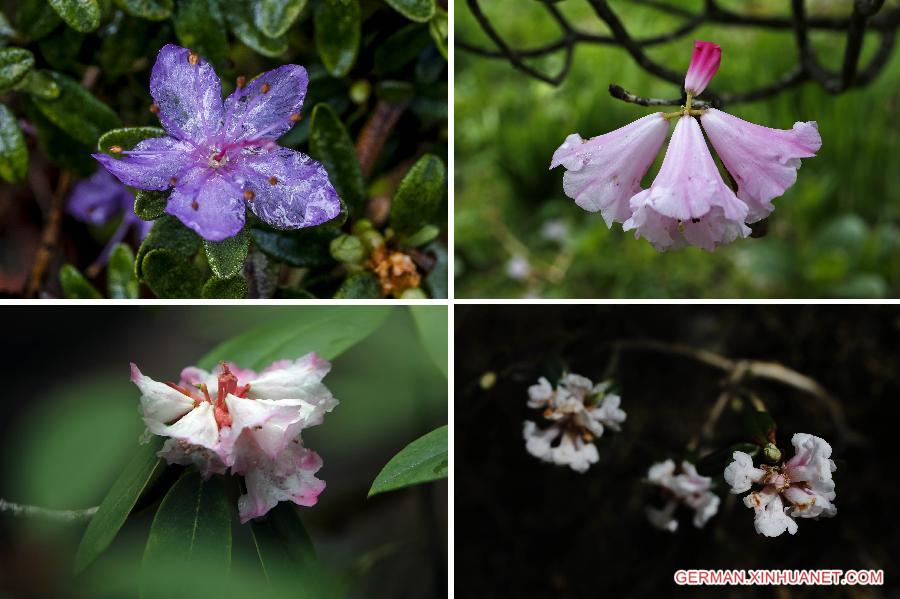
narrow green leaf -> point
(170, 276)
(285, 549)
(150, 205)
(330, 144)
(431, 322)
(306, 248)
(13, 151)
(15, 63)
(240, 18)
(234, 287)
(139, 474)
(36, 19)
(363, 285)
(153, 10)
(126, 138)
(419, 196)
(326, 330)
(168, 233)
(337, 24)
(414, 10)
(75, 286)
(423, 460)
(440, 31)
(275, 17)
(226, 258)
(39, 84)
(80, 15)
(77, 112)
(192, 527)
(120, 278)
(199, 25)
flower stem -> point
(31, 511)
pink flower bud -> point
(704, 64)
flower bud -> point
(360, 91)
(361, 225)
(371, 239)
(347, 248)
(772, 453)
(413, 293)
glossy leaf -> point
(77, 112)
(439, 28)
(423, 460)
(226, 258)
(13, 151)
(275, 17)
(359, 286)
(126, 138)
(138, 475)
(326, 330)
(431, 322)
(330, 144)
(36, 19)
(199, 25)
(240, 17)
(15, 63)
(419, 196)
(234, 287)
(150, 205)
(337, 24)
(306, 248)
(80, 15)
(285, 550)
(39, 84)
(120, 278)
(60, 147)
(414, 10)
(75, 286)
(192, 526)
(154, 10)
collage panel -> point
(213, 149)
(631, 451)
(224, 451)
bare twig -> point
(30, 511)
(49, 236)
(375, 132)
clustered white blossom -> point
(579, 412)
(804, 483)
(688, 488)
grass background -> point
(834, 234)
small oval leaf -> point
(330, 144)
(337, 24)
(359, 286)
(120, 279)
(199, 25)
(234, 287)
(150, 205)
(240, 18)
(126, 138)
(153, 10)
(226, 258)
(275, 17)
(419, 196)
(75, 286)
(13, 151)
(77, 112)
(15, 63)
(414, 10)
(80, 15)
(423, 460)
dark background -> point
(529, 529)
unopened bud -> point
(413, 293)
(487, 380)
(347, 248)
(361, 225)
(772, 453)
(360, 91)
(371, 239)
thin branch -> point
(29, 511)
(862, 10)
(49, 237)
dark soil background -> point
(529, 529)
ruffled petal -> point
(188, 93)
(289, 190)
(263, 109)
(740, 474)
(540, 394)
(209, 204)
(763, 161)
(538, 442)
(704, 65)
(605, 171)
(160, 403)
(572, 451)
(272, 424)
(154, 163)
(207, 461)
(300, 379)
(772, 521)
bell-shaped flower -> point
(704, 65)
(218, 159)
(688, 202)
(687, 488)
(763, 161)
(603, 172)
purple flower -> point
(218, 157)
(100, 199)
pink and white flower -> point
(802, 487)
(704, 65)
(579, 413)
(687, 488)
(248, 422)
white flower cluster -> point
(685, 488)
(579, 412)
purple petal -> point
(98, 199)
(208, 203)
(152, 164)
(289, 190)
(263, 109)
(188, 93)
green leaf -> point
(401, 49)
(431, 322)
(60, 49)
(80, 15)
(440, 30)
(137, 476)
(330, 144)
(226, 258)
(240, 18)
(168, 233)
(13, 151)
(326, 330)
(77, 112)
(191, 527)
(414, 10)
(75, 286)
(150, 205)
(306, 248)
(199, 25)
(154, 10)
(126, 138)
(234, 287)
(15, 63)
(363, 285)
(40, 84)
(170, 276)
(423, 460)
(124, 45)
(36, 19)
(759, 427)
(120, 278)
(285, 550)
(419, 196)
(337, 24)
(60, 147)
(275, 17)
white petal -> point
(160, 403)
(197, 427)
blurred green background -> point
(70, 422)
(834, 234)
